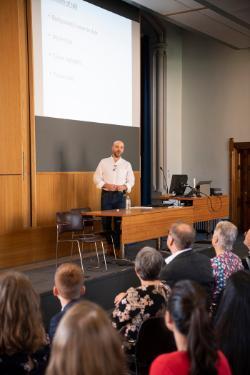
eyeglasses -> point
(114, 167)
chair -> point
(153, 339)
(88, 221)
(71, 222)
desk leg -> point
(122, 251)
(158, 245)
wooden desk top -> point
(183, 198)
(134, 211)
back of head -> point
(188, 308)
(232, 322)
(69, 281)
(148, 263)
(227, 234)
(86, 344)
(21, 328)
(183, 235)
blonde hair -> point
(21, 328)
(69, 280)
(85, 343)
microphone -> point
(165, 180)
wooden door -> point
(14, 118)
(240, 183)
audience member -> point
(247, 239)
(68, 289)
(232, 322)
(24, 347)
(225, 262)
(187, 316)
(143, 302)
(85, 343)
(184, 263)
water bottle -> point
(128, 202)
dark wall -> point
(67, 145)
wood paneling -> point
(14, 118)
(60, 191)
(11, 218)
(13, 88)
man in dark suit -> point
(184, 263)
(68, 288)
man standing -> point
(184, 263)
(115, 177)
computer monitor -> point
(178, 184)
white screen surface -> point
(86, 63)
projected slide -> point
(84, 64)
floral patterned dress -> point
(223, 266)
(138, 305)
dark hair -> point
(232, 322)
(183, 235)
(148, 263)
(188, 308)
(85, 343)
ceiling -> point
(225, 20)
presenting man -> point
(115, 177)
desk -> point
(205, 208)
(140, 224)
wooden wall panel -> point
(13, 100)
(11, 218)
(58, 191)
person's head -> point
(117, 149)
(232, 322)
(148, 263)
(21, 328)
(69, 281)
(247, 239)
(181, 236)
(187, 316)
(85, 343)
(224, 236)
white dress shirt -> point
(114, 172)
(171, 257)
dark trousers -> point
(112, 200)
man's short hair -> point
(227, 234)
(69, 280)
(148, 263)
(183, 235)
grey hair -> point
(227, 234)
(148, 263)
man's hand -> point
(121, 187)
(119, 297)
(110, 187)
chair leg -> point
(56, 252)
(113, 246)
(80, 254)
(104, 257)
(97, 255)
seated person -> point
(86, 343)
(225, 262)
(24, 346)
(246, 260)
(232, 322)
(184, 263)
(187, 316)
(68, 289)
(148, 300)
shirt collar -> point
(171, 257)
